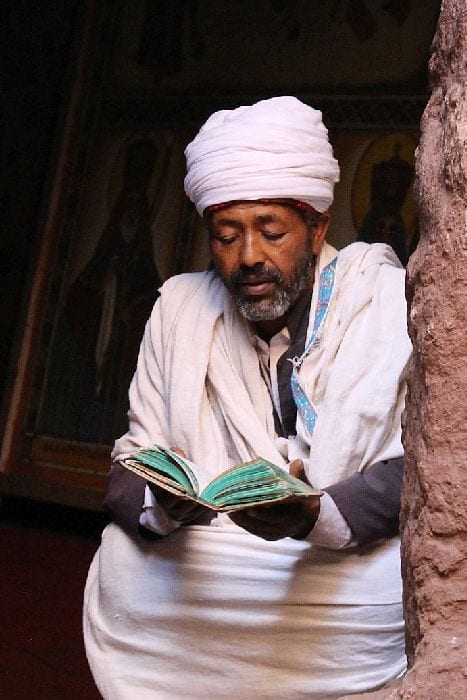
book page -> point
(255, 482)
(162, 460)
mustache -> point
(255, 276)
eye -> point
(272, 236)
(225, 240)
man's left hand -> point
(294, 518)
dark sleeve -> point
(124, 500)
(370, 502)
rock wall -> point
(434, 506)
(434, 501)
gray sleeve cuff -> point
(124, 499)
(370, 501)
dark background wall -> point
(39, 43)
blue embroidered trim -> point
(304, 405)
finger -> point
(165, 499)
(276, 512)
(270, 512)
(244, 519)
(178, 451)
(262, 519)
(200, 515)
(190, 510)
(297, 469)
(265, 530)
(183, 509)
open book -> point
(250, 484)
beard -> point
(287, 291)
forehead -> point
(249, 211)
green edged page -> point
(164, 468)
(254, 483)
(250, 484)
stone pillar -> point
(434, 499)
(434, 503)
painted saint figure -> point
(104, 314)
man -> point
(287, 350)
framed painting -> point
(116, 225)
(374, 198)
(132, 229)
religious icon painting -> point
(374, 199)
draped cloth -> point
(214, 611)
(276, 148)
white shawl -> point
(198, 386)
(212, 611)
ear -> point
(319, 233)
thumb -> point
(297, 469)
(178, 451)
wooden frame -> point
(20, 475)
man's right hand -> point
(179, 508)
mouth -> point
(256, 288)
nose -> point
(251, 251)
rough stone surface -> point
(434, 503)
(434, 508)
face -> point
(265, 255)
(385, 230)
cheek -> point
(223, 261)
(283, 261)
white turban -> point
(277, 148)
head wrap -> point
(276, 148)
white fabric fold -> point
(211, 612)
(355, 374)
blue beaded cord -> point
(304, 405)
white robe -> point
(217, 612)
